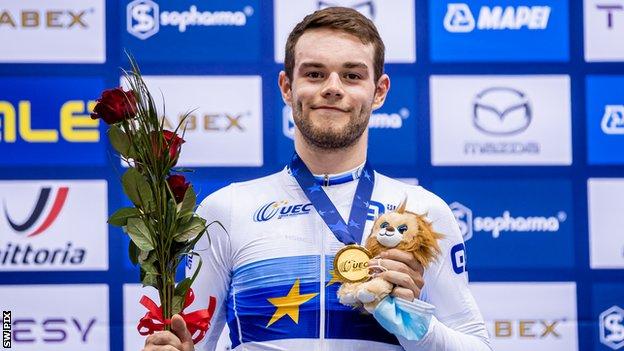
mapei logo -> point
(28, 226)
(57, 19)
(212, 122)
(76, 125)
(501, 111)
(144, 18)
(613, 119)
(459, 18)
(504, 223)
(377, 120)
(612, 327)
(365, 7)
(282, 209)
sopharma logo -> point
(506, 222)
(392, 120)
(612, 327)
(144, 18)
(280, 209)
(613, 120)
(460, 19)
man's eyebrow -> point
(355, 65)
(305, 65)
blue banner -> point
(46, 121)
(507, 224)
(502, 30)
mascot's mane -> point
(423, 244)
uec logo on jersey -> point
(613, 119)
(281, 209)
(612, 327)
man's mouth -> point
(326, 107)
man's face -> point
(333, 90)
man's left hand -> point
(403, 271)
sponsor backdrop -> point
(511, 110)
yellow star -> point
(289, 304)
(334, 278)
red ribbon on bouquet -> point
(196, 321)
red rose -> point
(170, 140)
(115, 105)
(178, 185)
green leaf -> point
(121, 216)
(149, 279)
(179, 294)
(191, 229)
(133, 253)
(139, 234)
(137, 189)
(189, 201)
(119, 140)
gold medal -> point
(351, 263)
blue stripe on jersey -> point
(343, 322)
(250, 310)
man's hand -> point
(178, 339)
(403, 271)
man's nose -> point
(333, 87)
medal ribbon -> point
(347, 233)
(196, 321)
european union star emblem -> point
(289, 305)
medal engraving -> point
(351, 263)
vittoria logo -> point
(43, 225)
(44, 195)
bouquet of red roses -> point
(162, 224)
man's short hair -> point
(341, 19)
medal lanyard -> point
(347, 233)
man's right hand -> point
(178, 339)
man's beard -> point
(331, 138)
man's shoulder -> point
(419, 199)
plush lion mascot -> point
(401, 229)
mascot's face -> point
(393, 228)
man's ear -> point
(285, 88)
(381, 91)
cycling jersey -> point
(271, 271)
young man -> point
(271, 270)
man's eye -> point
(384, 224)
(314, 75)
(352, 76)
(402, 228)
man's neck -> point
(321, 161)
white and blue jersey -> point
(271, 271)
